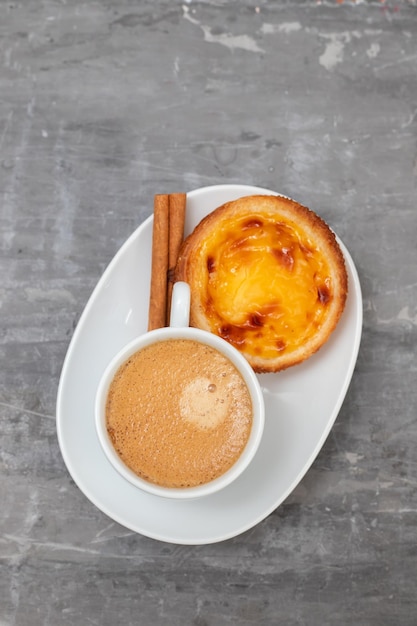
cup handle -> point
(180, 305)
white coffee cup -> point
(179, 329)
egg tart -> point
(267, 275)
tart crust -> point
(267, 275)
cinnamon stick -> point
(159, 263)
(177, 202)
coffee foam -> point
(205, 403)
(179, 413)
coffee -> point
(178, 413)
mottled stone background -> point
(104, 103)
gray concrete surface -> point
(103, 104)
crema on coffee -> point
(178, 413)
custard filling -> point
(267, 285)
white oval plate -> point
(302, 402)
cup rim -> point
(252, 383)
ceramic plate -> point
(302, 402)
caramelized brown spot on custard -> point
(284, 257)
(323, 294)
(252, 223)
(255, 320)
(280, 345)
(210, 264)
(225, 331)
(233, 334)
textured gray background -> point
(103, 104)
